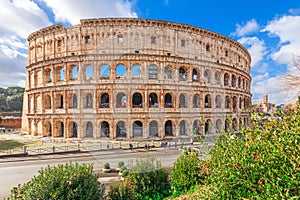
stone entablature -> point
(134, 78)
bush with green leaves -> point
(106, 166)
(69, 181)
(121, 191)
(185, 173)
(121, 164)
(149, 179)
(263, 164)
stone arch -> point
(74, 101)
(233, 80)
(47, 129)
(207, 101)
(137, 129)
(120, 71)
(89, 72)
(196, 101)
(218, 78)
(195, 75)
(104, 71)
(196, 127)
(74, 129)
(183, 127)
(152, 72)
(234, 124)
(74, 72)
(136, 71)
(104, 100)
(218, 101)
(153, 129)
(121, 101)
(168, 73)
(182, 101)
(208, 126)
(88, 100)
(226, 79)
(89, 130)
(48, 77)
(219, 125)
(47, 101)
(207, 76)
(169, 128)
(153, 100)
(137, 100)
(227, 101)
(121, 129)
(182, 74)
(168, 100)
(105, 129)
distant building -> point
(264, 106)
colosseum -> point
(123, 78)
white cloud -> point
(71, 11)
(250, 27)
(287, 30)
(256, 48)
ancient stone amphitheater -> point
(122, 78)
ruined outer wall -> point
(208, 78)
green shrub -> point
(149, 179)
(106, 166)
(121, 191)
(120, 164)
(69, 181)
(123, 168)
(264, 164)
(185, 173)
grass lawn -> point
(15, 144)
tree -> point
(69, 181)
(292, 79)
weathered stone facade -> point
(134, 78)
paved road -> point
(14, 171)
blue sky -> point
(269, 29)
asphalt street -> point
(18, 170)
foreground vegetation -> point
(11, 99)
(264, 163)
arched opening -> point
(48, 129)
(104, 72)
(105, 129)
(74, 101)
(89, 101)
(88, 72)
(207, 101)
(104, 100)
(48, 76)
(182, 128)
(227, 125)
(168, 128)
(61, 74)
(137, 129)
(219, 125)
(239, 82)
(74, 73)
(137, 100)
(121, 129)
(152, 72)
(167, 73)
(153, 102)
(208, 127)
(226, 79)
(207, 76)
(74, 129)
(240, 102)
(182, 103)
(168, 101)
(218, 78)
(233, 81)
(195, 75)
(234, 124)
(120, 71)
(61, 129)
(234, 102)
(47, 102)
(136, 71)
(196, 101)
(89, 129)
(196, 128)
(60, 101)
(121, 100)
(227, 102)
(153, 129)
(218, 101)
(182, 74)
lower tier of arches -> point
(139, 127)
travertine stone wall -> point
(134, 78)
